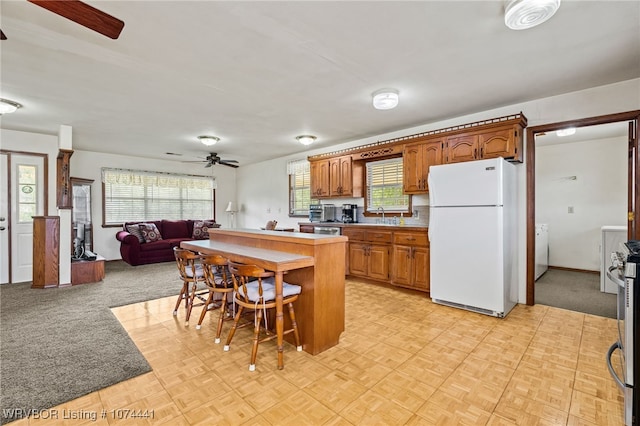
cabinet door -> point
(462, 148)
(379, 262)
(358, 259)
(402, 265)
(307, 229)
(499, 143)
(340, 177)
(420, 260)
(319, 171)
(432, 156)
(412, 168)
(346, 176)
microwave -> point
(322, 213)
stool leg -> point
(205, 309)
(192, 296)
(294, 324)
(256, 340)
(181, 296)
(233, 328)
(223, 312)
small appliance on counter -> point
(322, 213)
(349, 213)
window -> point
(299, 187)
(27, 192)
(384, 187)
(132, 195)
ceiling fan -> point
(83, 14)
(213, 159)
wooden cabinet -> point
(87, 271)
(417, 158)
(505, 142)
(411, 260)
(340, 177)
(319, 171)
(307, 229)
(369, 253)
(46, 251)
(335, 177)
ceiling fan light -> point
(7, 106)
(385, 99)
(306, 139)
(523, 14)
(208, 140)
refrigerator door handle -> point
(610, 352)
(431, 202)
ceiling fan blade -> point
(227, 163)
(230, 161)
(84, 15)
(208, 164)
(2, 36)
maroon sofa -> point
(135, 251)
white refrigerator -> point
(473, 235)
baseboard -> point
(562, 268)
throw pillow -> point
(135, 230)
(201, 229)
(150, 232)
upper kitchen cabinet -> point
(417, 158)
(335, 177)
(340, 177)
(319, 171)
(503, 141)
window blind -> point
(299, 187)
(384, 186)
(131, 195)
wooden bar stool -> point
(191, 273)
(218, 280)
(255, 290)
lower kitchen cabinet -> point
(411, 267)
(369, 261)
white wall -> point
(88, 165)
(598, 196)
(253, 184)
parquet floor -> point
(402, 360)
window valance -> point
(156, 179)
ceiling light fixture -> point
(7, 106)
(385, 99)
(523, 14)
(306, 139)
(566, 132)
(208, 140)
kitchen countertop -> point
(370, 225)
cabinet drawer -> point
(409, 238)
(379, 236)
(353, 234)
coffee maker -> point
(349, 213)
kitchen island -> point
(315, 262)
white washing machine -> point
(542, 249)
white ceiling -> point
(257, 74)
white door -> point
(4, 225)
(27, 200)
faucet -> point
(378, 210)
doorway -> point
(23, 190)
(633, 195)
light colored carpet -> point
(575, 291)
(59, 344)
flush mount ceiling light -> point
(523, 14)
(385, 99)
(7, 106)
(306, 139)
(208, 140)
(566, 132)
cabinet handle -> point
(410, 239)
(475, 153)
(481, 152)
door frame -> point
(633, 117)
(45, 171)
